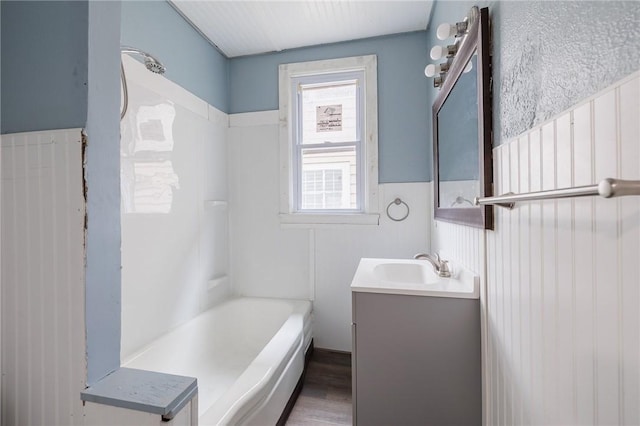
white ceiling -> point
(242, 27)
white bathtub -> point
(247, 354)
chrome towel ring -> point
(397, 202)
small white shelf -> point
(220, 280)
(215, 204)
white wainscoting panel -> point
(562, 338)
(0, 281)
(43, 333)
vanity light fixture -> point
(459, 31)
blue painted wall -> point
(60, 69)
(193, 63)
(102, 171)
(44, 65)
(549, 55)
(403, 133)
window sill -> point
(311, 220)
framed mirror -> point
(462, 135)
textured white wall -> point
(561, 302)
(549, 55)
(273, 260)
(543, 49)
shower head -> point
(154, 66)
(150, 61)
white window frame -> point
(323, 80)
(368, 161)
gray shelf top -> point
(141, 390)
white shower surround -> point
(247, 354)
(171, 251)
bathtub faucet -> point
(440, 266)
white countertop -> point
(414, 277)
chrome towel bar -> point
(607, 188)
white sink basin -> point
(413, 277)
(414, 273)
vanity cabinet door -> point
(416, 360)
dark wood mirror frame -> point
(477, 38)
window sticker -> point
(329, 118)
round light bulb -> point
(438, 52)
(430, 70)
(445, 31)
(468, 67)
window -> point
(327, 186)
(329, 145)
(328, 120)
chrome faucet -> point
(440, 266)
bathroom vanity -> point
(416, 345)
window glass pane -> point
(329, 179)
(328, 113)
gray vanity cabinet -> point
(416, 360)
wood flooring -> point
(326, 391)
